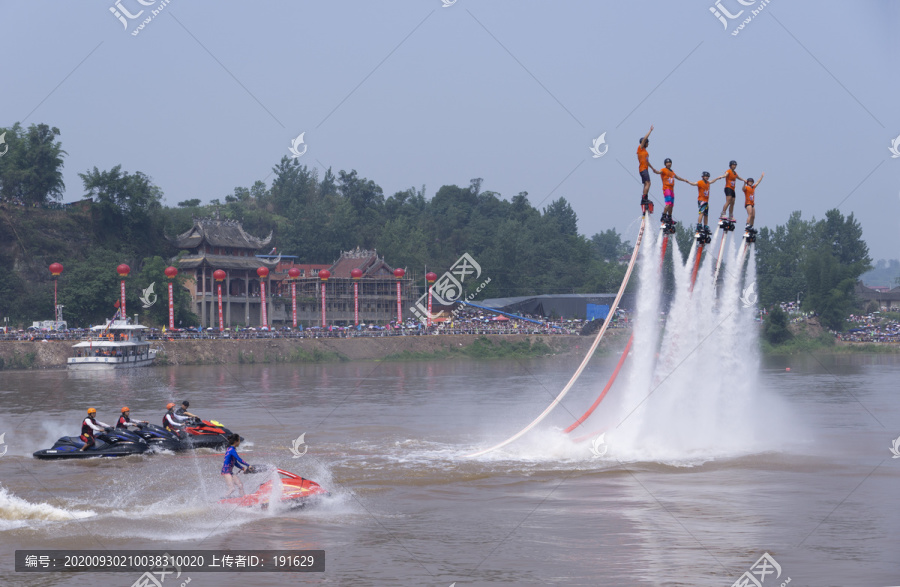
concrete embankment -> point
(53, 354)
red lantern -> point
(262, 272)
(293, 273)
(219, 275)
(171, 272)
(399, 273)
(56, 269)
(123, 270)
(324, 274)
(356, 273)
(431, 277)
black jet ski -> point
(158, 437)
(206, 434)
(109, 443)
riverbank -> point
(808, 336)
(53, 354)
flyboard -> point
(667, 227)
(587, 357)
(749, 239)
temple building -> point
(377, 291)
(213, 244)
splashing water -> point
(691, 391)
(16, 512)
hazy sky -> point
(209, 95)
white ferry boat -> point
(117, 345)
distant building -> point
(889, 300)
(377, 291)
(213, 244)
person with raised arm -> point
(643, 163)
(750, 200)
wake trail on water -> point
(16, 512)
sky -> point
(208, 96)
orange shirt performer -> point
(643, 163)
(730, 177)
(750, 199)
(668, 178)
(703, 200)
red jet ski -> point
(206, 434)
(295, 491)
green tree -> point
(609, 245)
(775, 329)
(128, 210)
(31, 168)
(834, 259)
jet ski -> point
(206, 434)
(296, 491)
(109, 443)
(159, 438)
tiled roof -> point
(368, 261)
(220, 262)
(219, 233)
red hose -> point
(696, 266)
(609, 384)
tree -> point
(128, 209)
(835, 257)
(775, 329)
(31, 169)
(609, 245)
(562, 213)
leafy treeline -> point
(522, 249)
(820, 261)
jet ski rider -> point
(125, 419)
(89, 426)
(171, 421)
(183, 413)
(232, 460)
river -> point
(807, 476)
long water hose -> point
(587, 357)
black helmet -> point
(667, 161)
(704, 174)
(186, 403)
(733, 162)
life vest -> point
(86, 430)
(171, 426)
(124, 422)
